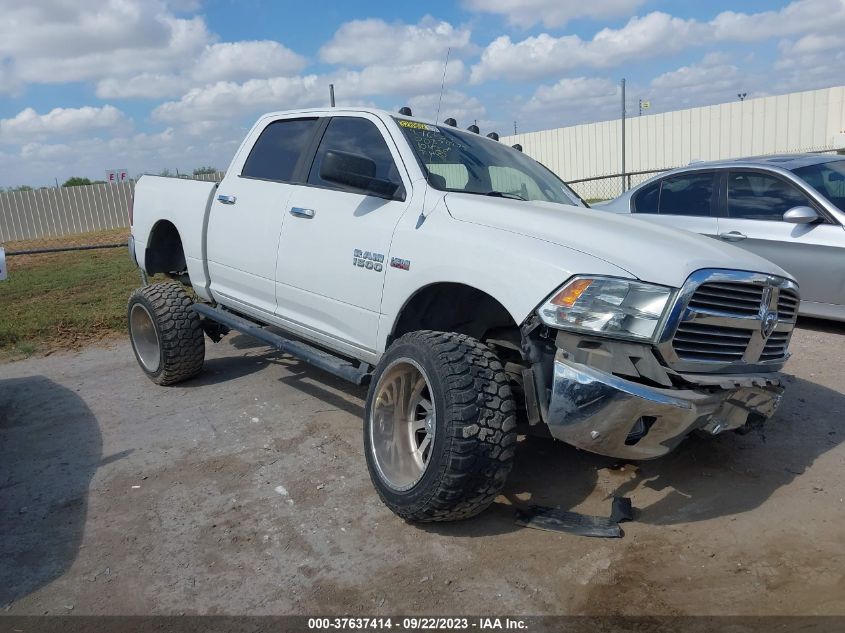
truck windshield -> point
(468, 163)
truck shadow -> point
(50, 448)
(704, 478)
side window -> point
(688, 194)
(277, 150)
(355, 136)
(645, 201)
(759, 196)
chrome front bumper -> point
(604, 414)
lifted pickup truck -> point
(469, 286)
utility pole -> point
(331, 94)
(514, 128)
(624, 188)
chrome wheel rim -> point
(403, 424)
(142, 331)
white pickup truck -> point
(469, 287)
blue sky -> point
(155, 84)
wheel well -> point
(451, 307)
(164, 250)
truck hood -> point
(648, 252)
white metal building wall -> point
(800, 121)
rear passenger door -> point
(333, 254)
(684, 201)
(249, 206)
(752, 218)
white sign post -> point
(3, 273)
(114, 176)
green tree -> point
(76, 181)
(202, 171)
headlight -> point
(615, 307)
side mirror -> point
(801, 215)
(357, 172)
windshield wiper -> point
(505, 194)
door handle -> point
(226, 199)
(299, 212)
(732, 236)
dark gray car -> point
(789, 209)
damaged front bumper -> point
(602, 413)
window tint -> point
(758, 196)
(828, 179)
(355, 136)
(645, 201)
(689, 194)
(277, 150)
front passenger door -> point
(333, 254)
(753, 219)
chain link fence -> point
(610, 186)
(50, 213)
(600, 188)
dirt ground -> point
(245, 491)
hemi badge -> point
(401, 264)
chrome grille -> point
(710, 342)
(729, 320)
(788, 305)
(728, 297)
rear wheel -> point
(165, 333)
(439, 427)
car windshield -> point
(468, 163)
(826, 178)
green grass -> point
(63, 300)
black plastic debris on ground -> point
(554, 520)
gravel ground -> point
(245, 492)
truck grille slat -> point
(740, 308)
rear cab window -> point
(279, 149)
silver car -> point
(789, 209)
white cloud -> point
(685, 86)
(396, 80)
(374, 41)
(229, 100)
(455, 104)
(553, 13)
(654, 34)
(229, 61)
(29, 126)
(801, 16)
(238, 61)
(810, 61)
(60, 41)
(544, 55)
(571, 101)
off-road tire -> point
(473, 446)
(180, 335)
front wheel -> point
(439, 427)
